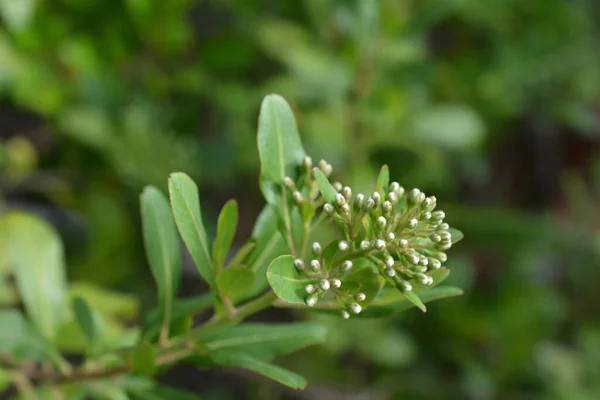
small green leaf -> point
(106, 302)
(279, 147)
(142, 360)
(87, 320)
(226, 227)
(235, 281)
(307, 211)
(162, 247)
(185, 204)
(265, 341)
(383, 180)
(325, 187)
(35, 254)
(285, 280)
(363, 280)
(414, 298)
(402, 304)
(242, 253)
(456, 235)
(278, 374)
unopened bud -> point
(308, 162)
(340, 199)
(392, 197)
(445, 245)
(405, 286)
(414, 197)
(337, 186)
(289, 182)
(390, 237)
(359, 201)
(387, 207)
(412, 223)
(390, 272)
(310, 289)
(370, 204)
(438, 215)
(299, 264)
(360, 297)
(394, 186)
(435, 238)
(297, 197)
(431, 203)
(434, 263)
(316, 249)
(445, 235)
(345, 208)
(365, 245)
(379, 244)
(315, 265)
(426, 216)
(347, 192)
(413, 258)
(355, 308)
(381, 222)
(328, 208)
(336, 283)
(444, 226)
(442, 257)
(423, 261)
(324, 284)
(345, 314)
(403, 243)
(376, 198)
(343, 245)
(389, 261)
(422, 278)
(347, 265)
(312, 300)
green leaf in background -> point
(456, 235)
(234, 281)
(415, 299)
(140, 388)
(383, 180)
(325, 187)
(265, 341)
(402, 304)
(285, 280)
(22, 341)
(278, 374)
(185, 203)
(87, 320)
(162, 248)
(363, 280)
(35, 254)
(106, 390)
(269, 245)
(142, 360)
(106, 302)
(4, 380)
(226, 227)
(279, 146)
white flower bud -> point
(310, 289)
(337, 186)
(381, 222)
(435, 238)
(359, 200)
(445, 245)
(328, 170)
(444, 226)
(431, 203)
(308, 162)
(289, 182)
(376, 198)
(434, 263)
(394, 186)
(356, 308)
(343, 245)
(413, 258)
(426, 216)
(390, 237)
(405, 286)
(360, 296)
(365, 245)
(345, 208)
(423, 261)
(445, 235)
(412, 223)
(389, 261)
(422, 279)
(379, 244)
(387, 207)
(403, 243)
(323, 165)
(426, 204)
(347, 265)
(297, 197)
(336, 283)
(392, 197)
(347, 192)
(316, 249)
(315, 265)
(299, 264)
(390, 272)
(438, 215)
(345, 314)
(430, 280)
(311, 300)
(340, 199)
(324, 284)
(414, 196)
(442, 257)
(328, 208)
(370, 204)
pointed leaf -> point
(278, 374)
(325, 187)
(162, 247)
(279, 147)
(383, 180)
(456, 235)
(226, 227)
(414, 298)
(235, 281)
(285, 280)
(185, 204)
(87, 320)
(35, 254)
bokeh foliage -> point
(100, 98)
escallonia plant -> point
(316, 245)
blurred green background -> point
(493, 106)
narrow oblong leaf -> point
(34, 252)
(363, 280)
(278, 374)
(226, 227)
(285, 280)
(162, 247)
(456, 235)
(414, 298)
(185, 204)
(383, 180)
(279, 147)
(235, 281)
(87, 321)
(325, 187)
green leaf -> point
(142, 360)
(265, 341)
(242, 253)
(185, 204)
(162, 247)
(285, 280)
(35, 253)
(226, 227)
(22, 341)
(106, 390)
(456, 235)
(451, 126)
(279, 147)
(182, 309)
(146, 389)
(87, 320)
(325, 187)
(383, 180)
(363, 280)
(278, 374)
(402, 304)
(414, 298)
(107, 303)
(235, 281)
